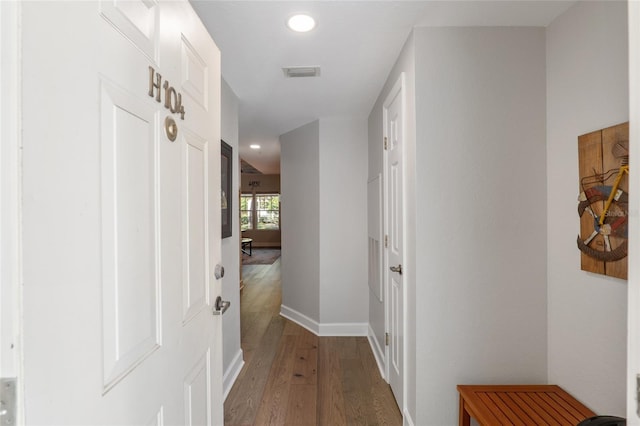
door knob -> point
(221, 306)
(397, 269)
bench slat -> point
(579, 410)
(496, 411)
(557, 412)
(525, 414)
(533, 417)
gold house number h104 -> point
(172, 102)
(172, 99)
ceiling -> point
(355, 43)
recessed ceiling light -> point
(301, 23)
(254, 146)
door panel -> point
(130, 304)
(195, 75)
(157, 419)
(396, 333)
(196, 286)
(197, 392)
(395, 180)
(135, 20)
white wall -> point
(232, 356)
(11, 352)
(404, 64)
(587, 90)
(300, 221)
(633, 335)
(481, 203)
(323, 184)
(343, 225)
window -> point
(268, 211)
(259, 211)
(246, 212)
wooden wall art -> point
(603, 203)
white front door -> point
(393, 132)
(121, 224)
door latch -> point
(221, 306)
(397, 269)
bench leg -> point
(243, 247)
(464, 417)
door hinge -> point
(638, 394)
(8, 401)
(386, 339)
(385, 143)
(386, 241)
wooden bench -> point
(247, 242)
(520, 405)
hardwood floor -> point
(292, 377)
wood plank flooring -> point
(293, 377)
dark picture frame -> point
(226, 169)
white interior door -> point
(121, 224)
(394, 132)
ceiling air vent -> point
(291, 72)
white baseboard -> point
(343, 329)
(378, 352)
(406, 419)
(300, 319)
(232, 373)
(327, 329)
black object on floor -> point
(603, 421)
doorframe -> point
(11, 346)
(399, 88)
(633, 289)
